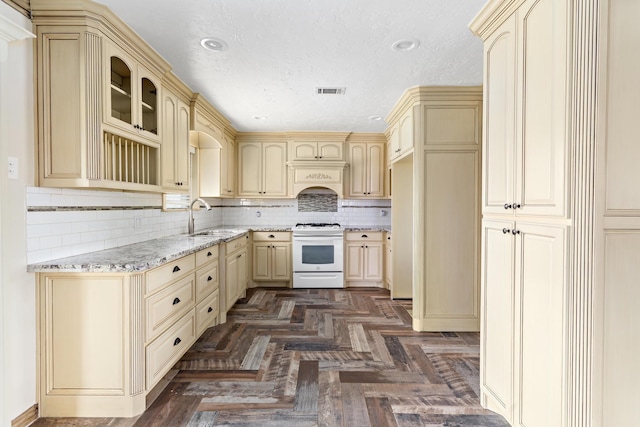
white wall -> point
(17, 287)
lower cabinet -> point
(388, 261)
(236, 273)
(523, 293)
(105, 340)
(272, 256)
(364, 258)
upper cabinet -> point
(132, 98)
(526, 127)
(401, 136)
(311, 150)
(262, 169)
(365, 155)
(216, 149)
(175, 140)
(98, 91)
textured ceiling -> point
(279, 51)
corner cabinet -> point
(98, 100)
(106, 340)
(366, 159)
(262, 169)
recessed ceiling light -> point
(260, 117)
(405, 45)
(375, 118)
(213, 44)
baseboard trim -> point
(26, 418)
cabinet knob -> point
(176, 269)
(507, 206)
(209, 279)
(177, 341)
(514, 232)
(516, 206)
(176, 300)
(209, 310)
(505, 230)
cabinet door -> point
(121, 89)
(281, 261)
(304, 150)
(274, 169)
(250, 169)
(330, 150)
(227, 168)
(231, 281)
(357, 170)
(375, 169)
(372, 268)
(168, 147)
(243, 272)
(181, 152)
(541, 126)
(394, 142)
(148, 103)
(354, 261)
(540, 299)
(497, 317)
(261, 261)
(406, 130)
(499, 119)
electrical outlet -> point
(13, 168)
(137, 222)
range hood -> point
(325, 174)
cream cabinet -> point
(175, 143)
(236, 270)
(526, 147)
(366, 169)
(388, 261)
(216, 151)
(132, 98)
(364, 259)
(436, 206)
(316, 150)
(136, 324)
(262, 169)
(400, 137)
(272, 256)
(98, 100)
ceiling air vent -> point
(331, 90)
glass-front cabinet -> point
(132, 95)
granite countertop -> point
(138, 256)
(368, 228)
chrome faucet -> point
(191, 222)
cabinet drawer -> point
(168, 305)
(236, 244)
(206, 255)
(206, 280)
(168, 273)
(207, 311)
(162, 353)
(271, 236)
(364, 235)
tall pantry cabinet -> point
(561, 240)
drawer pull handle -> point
(209, 254)
(177, 341)
(365, 236)
(271, 236)
(176, 269)
(176, 300)
(209, 310)
(209, 279)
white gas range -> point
(318, 255)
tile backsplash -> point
(65, 222)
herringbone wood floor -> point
(341, 357)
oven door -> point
(315, 253)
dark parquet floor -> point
(340, 357)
